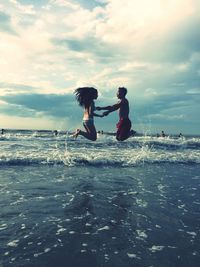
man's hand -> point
(106, 113)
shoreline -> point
(62, 132)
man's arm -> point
(101, 108)
(110, 108)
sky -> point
(48, 48)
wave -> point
(125, 158)
(154, 142)
(44, 149)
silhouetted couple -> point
(86, 96)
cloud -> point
(16, 110)
(87, 4)
(174, 46)
(93, 48)
(5, 23)
(180, 108)
(6, 88)
(51, 105)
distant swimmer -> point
(85, 97)
(180, 135)
(2, 131)
(124, 125)
(163, 134)
(55, 132)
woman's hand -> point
(106, 113)
(97, 108)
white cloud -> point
(22, 9)
(167, 117)
(64, 3)
(183, 67)
(16, 122)
(2, 102)
(194, 91)
(133, 22)
(150, 92)
(195, 57)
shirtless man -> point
(124, 124)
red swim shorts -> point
(124, 127)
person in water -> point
(85, 97)
(163, 134)
(55, 132)
(124, 125)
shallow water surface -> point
(145, 215)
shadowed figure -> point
(124, 125)
(85, 97)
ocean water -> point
(66, 202)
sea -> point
(68, 202)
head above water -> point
(122, 91)
(85, 95)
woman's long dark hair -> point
(85, 95)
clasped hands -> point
(105, 113)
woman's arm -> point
(97, 115)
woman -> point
(85, 97)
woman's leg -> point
(90, 133)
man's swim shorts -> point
(124, 127)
